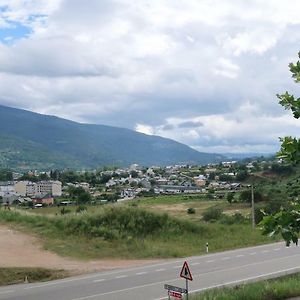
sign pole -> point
(187, 289)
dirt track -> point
(22, 250)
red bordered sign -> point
(185, 272)
(175, 294)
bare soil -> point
(18, 249)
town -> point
(38, 189)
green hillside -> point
(31, 140)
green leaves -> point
(290, 149)
(284, 222)
(295, 69)
(287, 221)
(289, 102)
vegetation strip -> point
(132, 232)
(279, 288)
(23, 275)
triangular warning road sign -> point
(185, 272)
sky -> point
(202, 72)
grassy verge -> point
(131, 232)
(279, 288)
(18, 275)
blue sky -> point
(205, 73)
(14, 32)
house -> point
(200, 181)
(9, 198)
(44, 200)
(145, 183)
(176, 189)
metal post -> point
(252, 207)
(187, 289)
(206, 247)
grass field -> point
(280, 288)
(155, 228)
(18, 275)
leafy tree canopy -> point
(287, 221)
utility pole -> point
(252, 207)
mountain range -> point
(30, 140)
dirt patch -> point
(18, 249)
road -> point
(211, 270)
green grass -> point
(18, 275)
(131, 232)
(170, 199)
(273, 289)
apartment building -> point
(28, 188)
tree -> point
(287, 221)
(230, 197)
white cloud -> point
(146, 129)
(226, 68)
(214, 66)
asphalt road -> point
(147, 282)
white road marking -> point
(99, 280)
(6, 292)
(118, 291)
(240, 255)
(276, 249)
(121, 276)
(253, 253)
(160, 270)
(194, 264)
(265, 251)
(176, 267)
(225, 258)
(210, 261)
(141, 273)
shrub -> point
(81, 208)
(191, 210)
(64, 211)
(212, 214)
(237, 218)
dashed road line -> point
(210, 261)
(265, 251)
(253, 253)
(141, 273)
(240, 255)
(6, 292)
(121, 276)
(99, 280)
(225, 258)
(276, 249)
(160, 270)
(194, 264)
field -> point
(145, 228)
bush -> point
(237, 218)
(81, 208)
(191, 210)
(64, 211)
(212, 214)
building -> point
(6, 187)
(25, 188)
(44, 200)
(28, 188)
(48, 187)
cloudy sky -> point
(202, 72)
